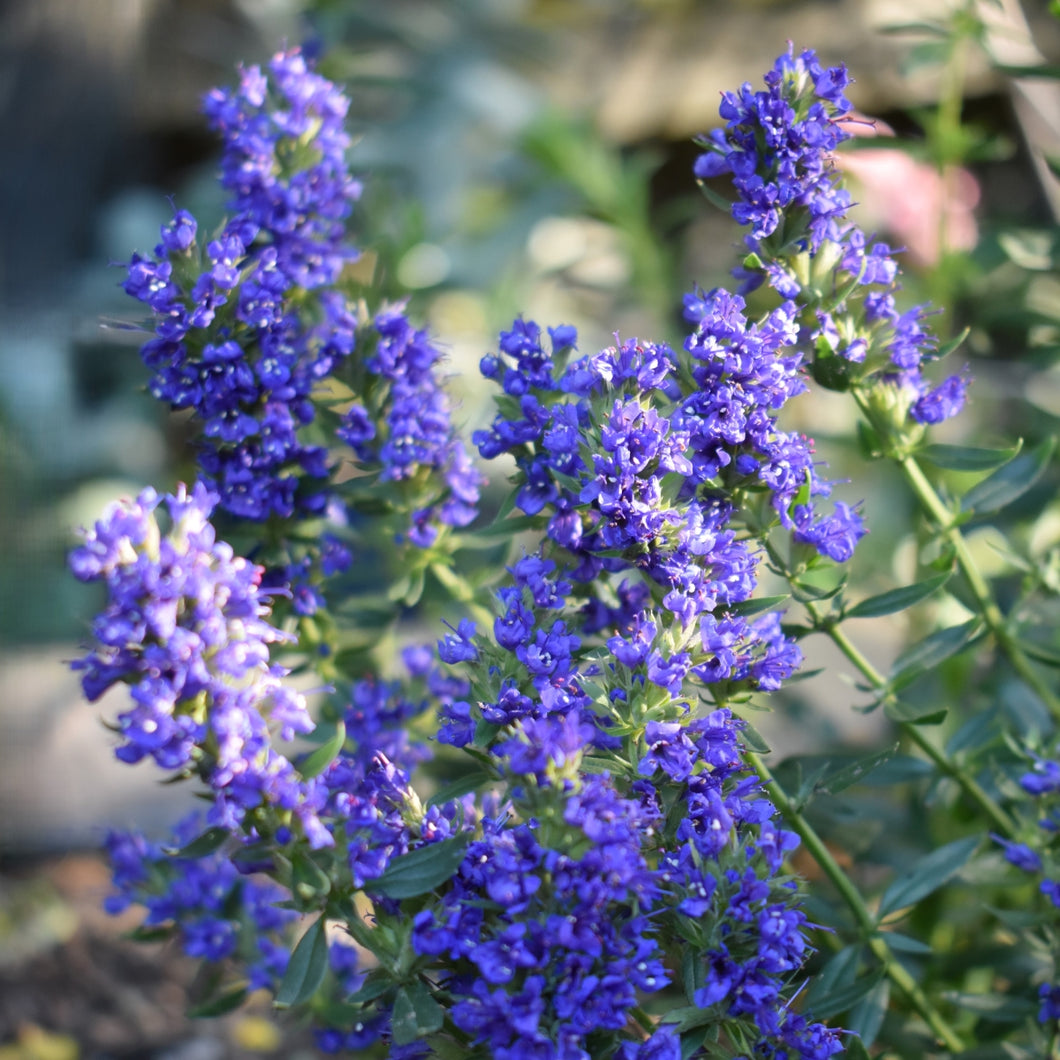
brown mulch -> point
(73, 987)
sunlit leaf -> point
(895, 600)
(421, 870)
(967, 457)
(1009, 482)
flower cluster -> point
(249, 323)
(778, 146)
(528, 925)
(216, 910)
(186, 629)
(412, 434)
(634, 454)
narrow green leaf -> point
(900, 599)
(854, 772)
(967, 457)
(305, 969)
(867, 1016)
(201, 846)
(1049, 656)
(688, 1017)
(1003, 1007)
(370, 990)
(403, 1019)
(1009, 482)
(905, 944)
(692, 1042)
(854, 1050)
(747, 608)
(1049, 70)
(752, 739)
(151, 934)
(978, 731)
(927, 875)
(869, 441)
(951, 344)
(508, 527)
(908, 714)
(932, 650)
(321, 757)
(935, 29)
(219, 1005)
(841, 968)
(714, 198)
(844, 997)
(421, 870)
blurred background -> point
(520, 156)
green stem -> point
(995, 620)
(864, 918)
(969, 785)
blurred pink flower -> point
(907, 199)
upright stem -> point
(969, 785)
(995, 620)
(852, 897)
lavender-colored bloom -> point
(186, 629)
(778, 147)
(941, 402)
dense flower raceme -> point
(248, 322)
(216, 911)
(778, 146)
(569, 908)
(409, 432)
(186, 629)
(636, 457)
(250, 325)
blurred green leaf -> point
(927, 876)
(319, 759)
(866, 1018)
(932, 650)
(842, 998)
(308, 879)
(416, 1014)
(919, 714)
(201, 846)
(854, 772)
(220, 1005)
(895, 600)
(905, 944)
(1009, 482)
(1048, 70)
(755, 606)
(1049, 656)
(305, 969)
(967, 457)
